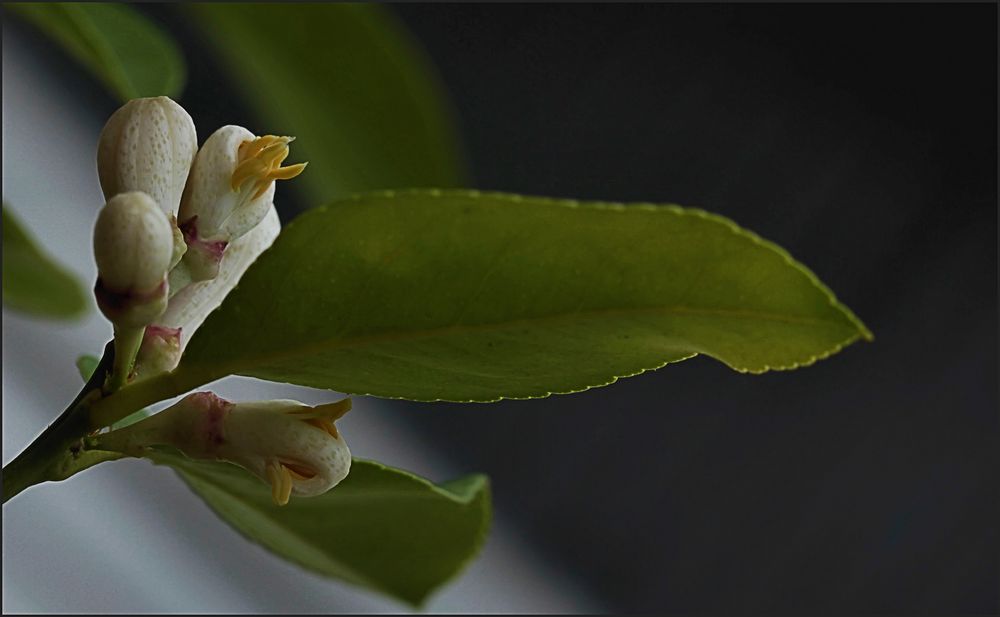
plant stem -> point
(127, 342)
(110, 409)
(53, 455)
(37, 462)
(40, 460)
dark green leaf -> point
(348, 81)
(133, 57)
(464, 296)
(32, 282)
(380, 528)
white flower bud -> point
(147, 145)
(190, 306)
(293, 447)
(133, 246)
(159, 352)
(229, 192)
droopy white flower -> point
(133, 246)
(147, 145)
(228, 193)
(165, 342)
(293, 447)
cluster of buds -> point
(177, 219)
(180, 227)
(295, 448)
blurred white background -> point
(127, 537)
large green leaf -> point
(32, 282)
(346, 79)
(463, 296)
(380, 528)
(133, 57)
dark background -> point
(862, 139)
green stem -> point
(127, 343)
(42, 460)
(39, 461)
(110, 409)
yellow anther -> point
(259, 161)
(281, 482)
(299, 472)
(324, 424)
(323, 416)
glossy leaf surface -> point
(380, 528)
(464, 296)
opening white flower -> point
(229, 192)
(162, 348)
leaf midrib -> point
(411, 335)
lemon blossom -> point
(295, 448)
(133, 246)
(165, 341)
(228, 193)
(147, 145)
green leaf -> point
(380, 528)
(130, 55)
(349, 82)
(463, 296)
(32, 282)
(87, 364)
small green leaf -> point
(87, 364)
(133, 57)
(380, 528)
(32, 282)
(349, 82)
(463, 296)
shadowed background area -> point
(860, 138)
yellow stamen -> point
(281, 482)
(323, 416)
(259, 161)
(299, 472)
(325, 425)
(331, 411)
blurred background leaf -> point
(129, 54)
(348, 81)
(380, 528)
(32, 282)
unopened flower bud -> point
(295, 448)
(159, 352)
(147, 145)
(133, 246)
(229, 191)
(190, 306)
